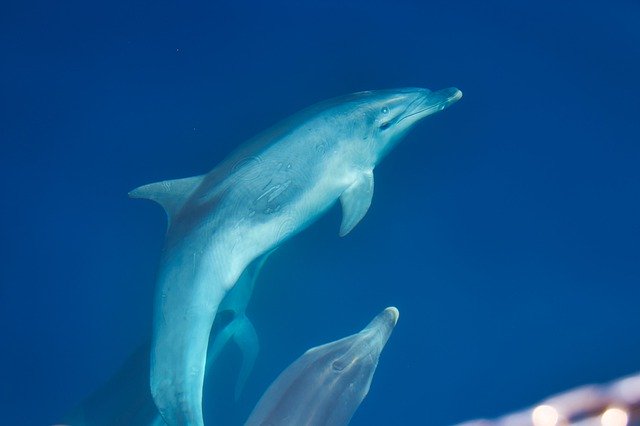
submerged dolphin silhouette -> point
(267, 191)
(325, 386)
(239, 328)
(125, 399)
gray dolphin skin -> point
(270, 189)
(325, 386)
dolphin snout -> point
(393, 314)
(441, 99)
(380, 328)
(386, 319)
(451, 94)
(428, 103)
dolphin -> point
(325, 386)
(126, 400)
(238, 328)
(270, 189)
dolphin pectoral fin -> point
(246, 338)
(170, 194)
(355, 201)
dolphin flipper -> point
(355, 201)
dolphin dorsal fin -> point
(355, 201)
(170, 194)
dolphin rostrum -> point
(270, 189)
(325, 386)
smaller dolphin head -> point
(327, 383)
(377, 332)
(358, 363)
(391, 113)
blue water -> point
(505, 229)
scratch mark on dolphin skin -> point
(164, 299)
(321, 148)
(273, 192)
(285, 229)
(277, 190)
(194, 371)
(247, 167)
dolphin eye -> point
(385, 125)
(385, 110)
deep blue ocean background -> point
(505, 229)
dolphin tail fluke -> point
(247, 340)
(170, 194)
(220, 342)
(244, 335)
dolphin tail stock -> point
(180, 349)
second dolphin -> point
(326, 385)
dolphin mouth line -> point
(420, 111)
(415, 113)
(435, 107)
